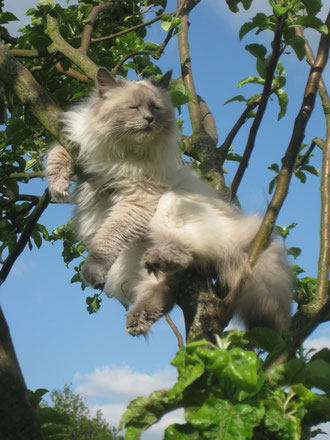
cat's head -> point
(133, 112)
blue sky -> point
(56, 340)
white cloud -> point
(111, 388)
(122, 384)
(317, 343)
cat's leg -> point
(127, 223)
(155, 297)
(167, 256)
(59, 171)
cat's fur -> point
(145, 219)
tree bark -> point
(18, 420)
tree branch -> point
(77, 56)
(276, 53)
(25, 236)
(86, 37)
(291, 154)
(32, 95)
(34, 53)
(200, 144)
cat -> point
(145, 219)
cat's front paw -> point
(94, 272)
(166, 257)
(59, 189)
(139, 320)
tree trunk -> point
(18, 419)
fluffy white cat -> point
(145, 219)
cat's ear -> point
(105, 80)
(164, 81)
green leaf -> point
(6, 17)
(30, 164)
(149, 45)
(234, 156)
(179, 94)
(312, 6)
(282, 426)
(294, 251)
(246, 4)
(226, 421)
(262, 67)
(316, 374)
(236, 98)
(278, 9)
(181, 432)
(323, 354)
(298, 45)
(312, 22)
(76, 278)
(272, 184)
(283, 102)
(264, 338)
(246, 27)
(47, 3)
(257, 50)
(36, 396)
(311, 169)
(301, 176)
(274, 167)
(93, 303)
(232, 4)
(36, 238)
(251, 79)
(167, 22)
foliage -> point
(226, 392)
(69, 417)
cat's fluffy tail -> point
(264, 300)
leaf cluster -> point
(226, 395)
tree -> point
(52, 64)
(69, 417)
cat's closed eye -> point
(154, 106)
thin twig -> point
(175, 330)
(276, 53)
(72, 73)
(224, 148)
(126, 57)
(303, 159)
(25, 236)
(7, 38)
(133, 28)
